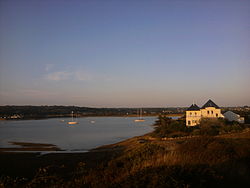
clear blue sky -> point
(124, 53)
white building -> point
(231, 116)
(208, 110)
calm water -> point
(83, 136)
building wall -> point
(193, 117)
(211, 112)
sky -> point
(124, 53)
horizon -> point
(124, 53)
(122, 106)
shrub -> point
(211, 127)
(177, 134)
(166, 127)
(169, 128)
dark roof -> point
(193, 107)
(210, 103)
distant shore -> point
(86, 116)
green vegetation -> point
(167, 127)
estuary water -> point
(90, 133)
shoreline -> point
(26, 164)
(47, 147)
(66, 165)
(125, 116)
(44, 148)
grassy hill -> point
(145, 161)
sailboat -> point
(140, 119)
(72, 122)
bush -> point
(177, 134)
(196, 132)
(211, 127)
(166, 127)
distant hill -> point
(27, 112)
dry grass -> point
(203, 161)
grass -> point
(204, 161)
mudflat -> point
(27, 164)
(27, 146)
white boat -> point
(72, 122)
(140, 119)
(92, 121)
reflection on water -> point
(91, 132)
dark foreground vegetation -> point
(147, 161)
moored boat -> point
(72, 122)
(140, 119)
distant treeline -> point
(27, 112)
(36, 112)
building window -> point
(189, 122)
(195, 113)
(216, 115)
(212, 112)
(207, 112)
(190, 113)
